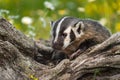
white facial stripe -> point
(58, 29)
(67, 38)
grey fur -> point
(94, 33)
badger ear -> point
(79, 26)
(51, 23)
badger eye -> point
(64, 35)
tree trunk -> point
(22, 58)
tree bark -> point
(22, 58)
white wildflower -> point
(4, 11)
(31, 33)
(103, 21)
(43, 21)
(91, 0)
(14, 16)
(31, 27)
(27, 20)
(81, 9)
(49, 5)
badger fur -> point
(71, 34)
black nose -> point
(56, 46)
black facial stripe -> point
(64, 25)
(72, 36)
(78, 30)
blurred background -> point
(33, 17)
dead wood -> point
(22, 58)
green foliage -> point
(96, 72)
(33, 16)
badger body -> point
(70, 34)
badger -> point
(71, 35)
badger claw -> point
(75, 54)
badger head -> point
(65, 32)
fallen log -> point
(22, 58)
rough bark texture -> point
(22, 58)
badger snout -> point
(57, 45)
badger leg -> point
(76, 54)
